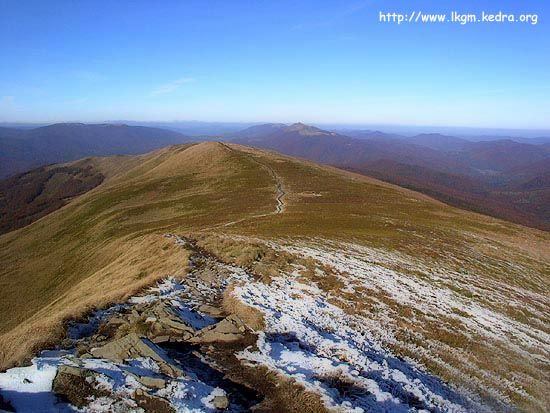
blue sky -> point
(310, 61)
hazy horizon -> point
(238, 125)
(329, 62)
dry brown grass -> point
(252, 317)
(281, 394)
(116, 282)
(109, 242)
(256, 256)
(286, 395)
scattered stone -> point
(160, 339)
(152, 382)
(133, 346)
(133, 332)
(229, 329)
(220, 402)
(76, 385)
(152, 404)
(167, 319)
(208, 276)
(110, 328)
(211, 310)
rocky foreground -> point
(224, 338)
(150, 354)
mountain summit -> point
(273, 130)
(306, 130)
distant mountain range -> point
(502, 178)
(23, 149)
(446, 153)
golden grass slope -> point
(109, 242)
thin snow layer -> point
(192, 317)
(185, 394)
(77, 330)
(365, 267)
(166, 288)
(383, 285)
(329, 352)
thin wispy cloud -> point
(172, 86)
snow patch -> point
(331, 353)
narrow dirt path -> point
(279, 191)
(279, 185)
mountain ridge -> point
(65, 142)
(501, 167)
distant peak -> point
(80, 125)
(301, 126)
(67, 124)
(114, 125)
(306, 130)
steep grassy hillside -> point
(93, 250)
(108, 243)
(29, 196)
(526, 203)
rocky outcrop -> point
(76, 385)
(152, 404)
(132, 346)
(220, 402)
(151, 382)
(156, 343)
(163, 321)
(211, 310)
(229, 329)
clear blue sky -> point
(311, 61)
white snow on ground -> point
(331, 353)
(390, 282)
(361, 266)
(167, 288)
(217, 392)
(78, 330)
(28, 389)
(186, 394)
